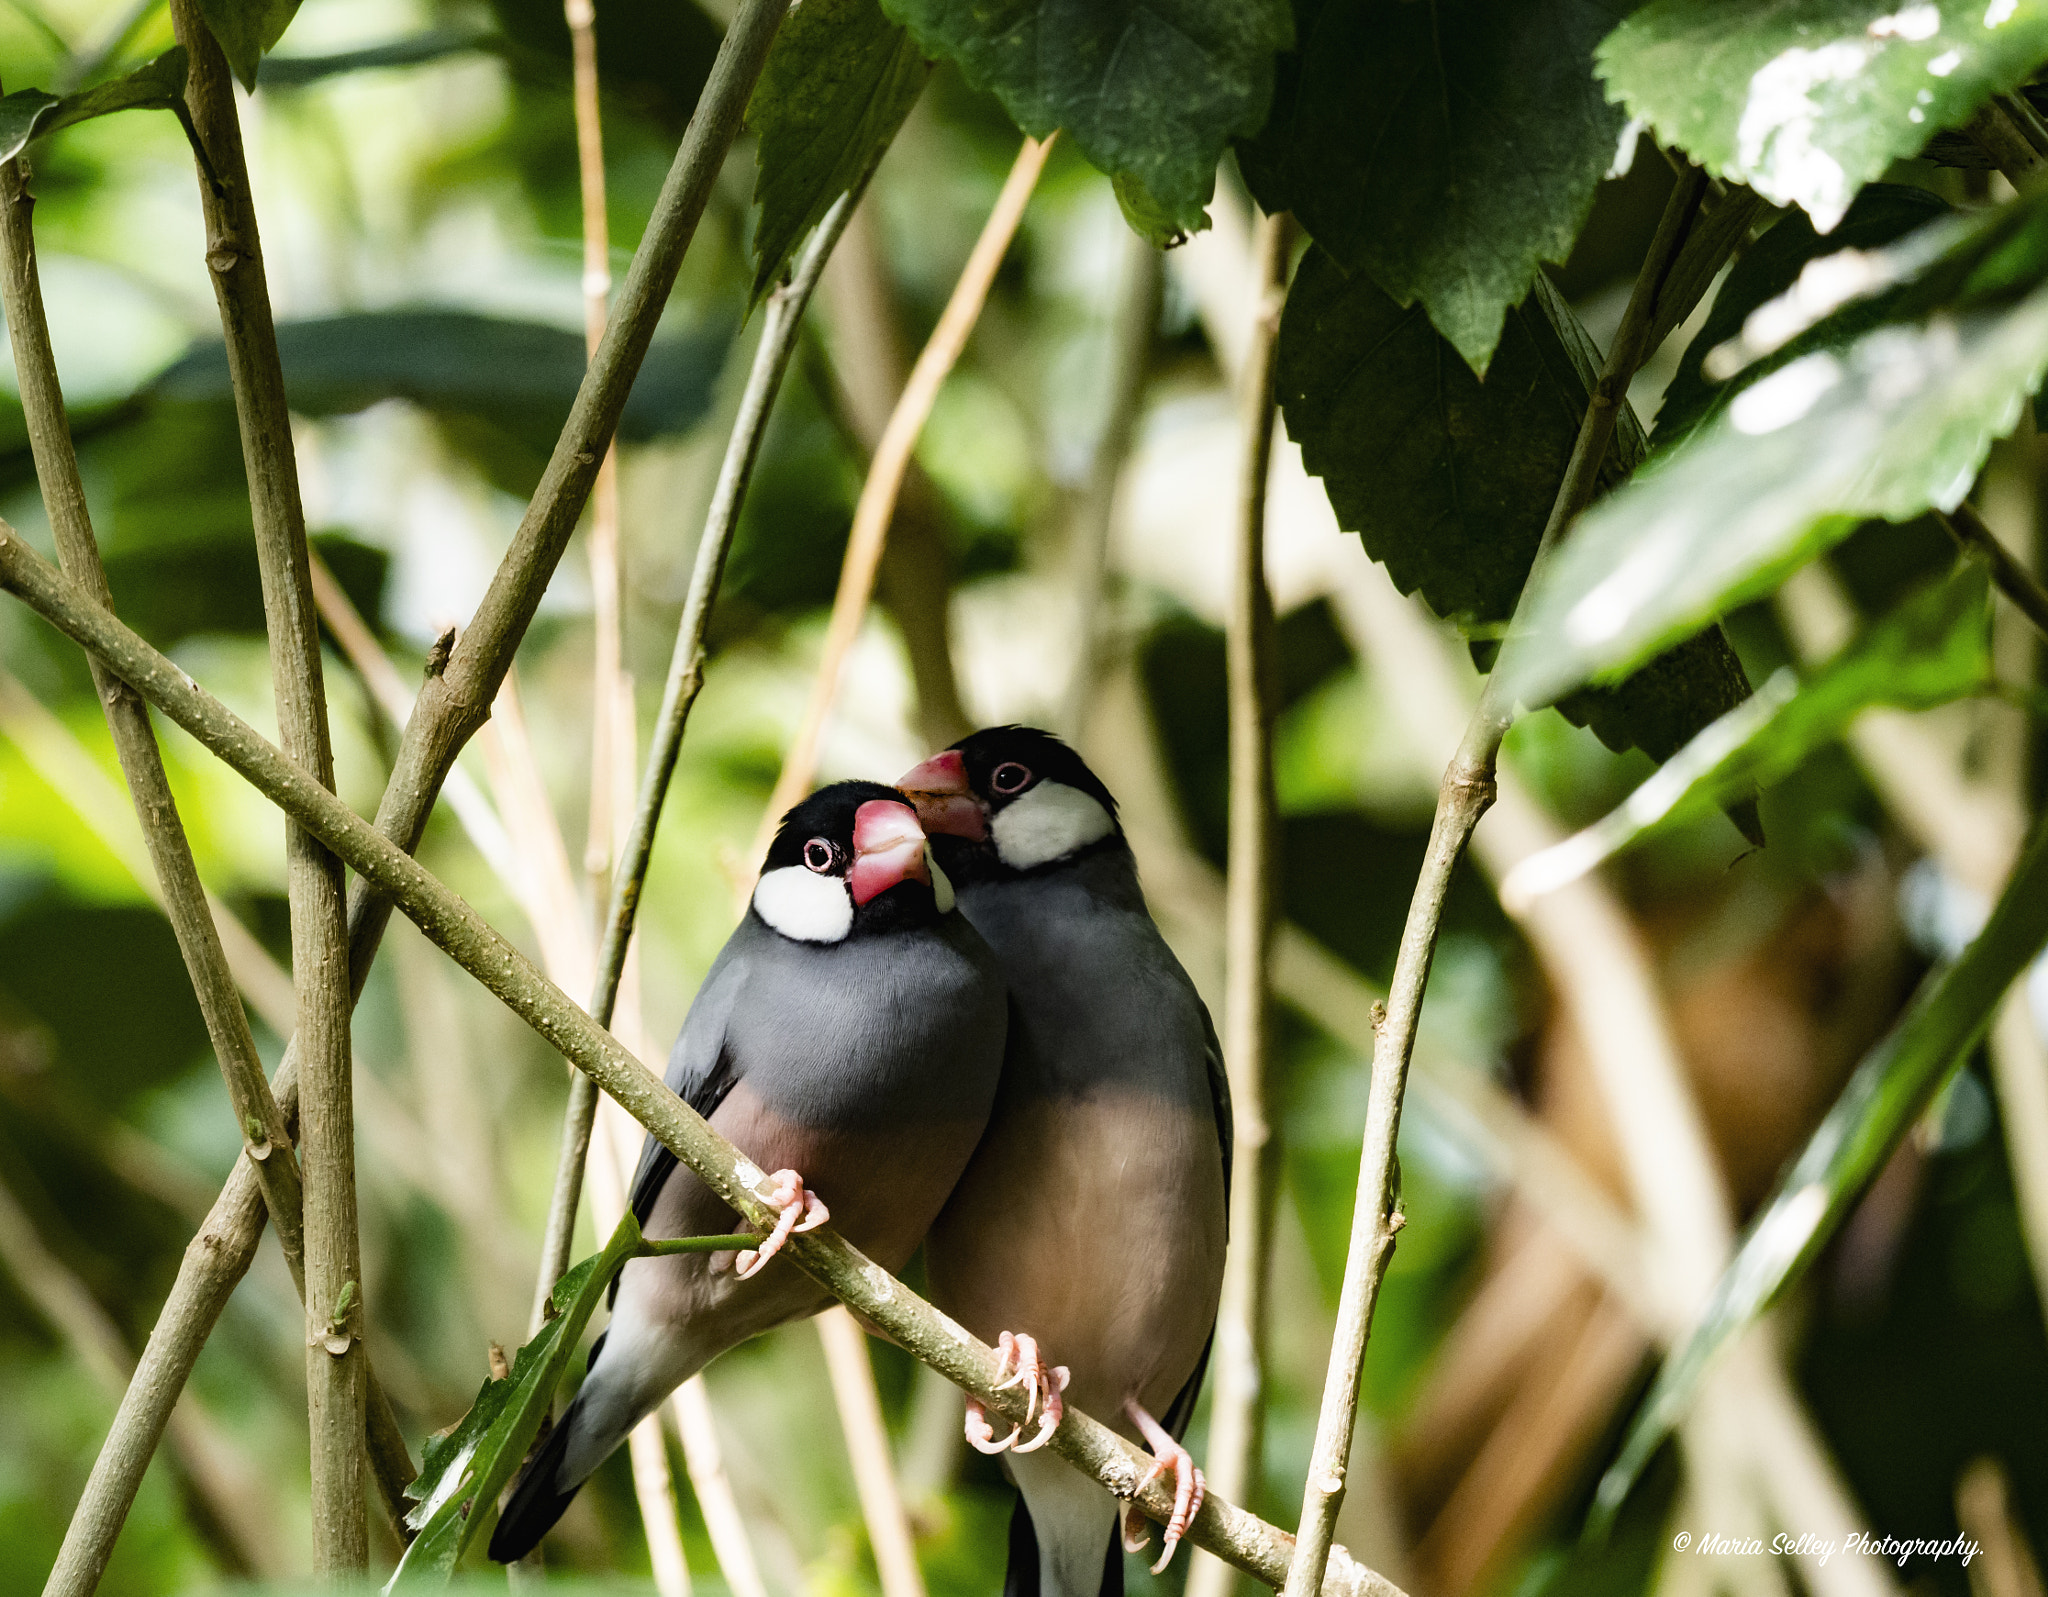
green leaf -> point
(247, 29)
(838, 84)
(419, 49)
(1856, 421)
(463, 1471)
(1447, 149)
(1933, 648)
(1449, 479)
(1874, 1113)
(1149, 92)
(29, 114)
(1807, 100)
(1882, 214)
(521, 376)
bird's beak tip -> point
(945, 803)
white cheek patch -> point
(804, 906)
(1050, 821)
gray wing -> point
(700, 1066)
(1219, 1091)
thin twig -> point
(1236, 1423)
(704, 1458)
(1250, 1543)
(877, 503)
(1136, 322)
(460, 688)
(780, 325)
(867, 1442)
(1467, 790)
(2013, 579)
(335, 1321)
(223, 1483)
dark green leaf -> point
(1875, 1111)
(1855, 421)
(518, 375)
(30, 113)
(837, 86)
(1447, 149)
(1150, 92)
(1448, 479)
(463, 1471)
(1883, 212)
(247, 29)
(435, 44)
(1808, 100)
(1935, 647)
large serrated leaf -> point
(247, 29)
(29, 114)
(1807, 100)
(1447, 149)
(1874, 1113)
(1448, 479)
(1933, 648)
(838, 84)
(1149, 92)
(1857, 422)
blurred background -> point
(416, 173)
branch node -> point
(437, 656)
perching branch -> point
(877, 503)
(2012, 578)
(1236, 1424)
(333, 1291)
(1467, 790)
(455, 701)
(780, 324)
(1241, 1538)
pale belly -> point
(1096, 1226)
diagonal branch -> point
(455, 701)
(335, 1367)
(1467, 790)
(1241, 1538)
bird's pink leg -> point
(1189, 1488)
(799, 1211)
(1019, 1363)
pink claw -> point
(799, 1211)
(981, 1436)
(1019, 1363)
(1189, 1488)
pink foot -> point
(1188, 1487)
(1019, 1363)
(799, 1211)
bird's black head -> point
(848, 861)
(1008, 800)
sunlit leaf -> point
(1875, 1111)
(1446, 149)
(1854, 422)
(1150, 93)
(837, 86)
(1449, 479)
(1934, 648)
(247, 29)
(1807, 100)
(29, 114)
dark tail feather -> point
(536, 1502)
(1020, 1579)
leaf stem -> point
(1249, 1543)
(2014, 580)
(335, 1394)
(877, 503)
(1467, 789)
(1236, 1424)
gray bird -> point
(852, 1029)
(1092, 1221)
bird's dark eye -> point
(1009, 777)
(818, 855)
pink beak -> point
(944, 801)
(888, 847)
